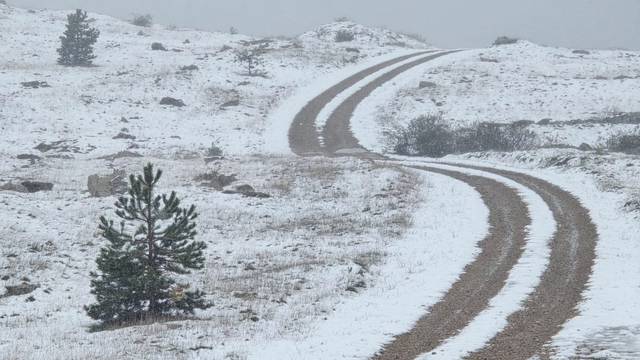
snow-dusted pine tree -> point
(77, 42)
(154, 239)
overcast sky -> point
(447, 23)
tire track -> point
(303, 136)
(481, 280)
(554, 300)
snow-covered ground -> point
(509, 83)
(279, 268)
(87, 107)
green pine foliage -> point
(154, 239)
(77, 42)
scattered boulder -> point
(35, 84)
(581, 52)
(172, 102)
(353, 50)
(488, 60)
(107, 185)
(189, 68)
(31, 157)
(123, 135)
(158, 47)
(13, 187)
(27, 187)
(37, 186)
(17, 290)
(230, 103)
(427, 85)
(248, 191)
(216, 180)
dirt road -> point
(554, 300)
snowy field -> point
(510, 83)
(343, 251)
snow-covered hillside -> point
(522, 81)
(87, 107)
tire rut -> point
(480, 281)
(556, 298)
(303, 136)
(554, 301)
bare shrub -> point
(344, 36)
(425, 135)
(142, 20)
(505, 40)
(625, 142)
(431, 136)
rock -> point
(353, 50)
(585, 147)
(107, 185)
(546, 121)
(581, 52)
(158, 47)
(172, 102)
(35, 84)
(31, 157)
(248, 191)
(216, 180)
(189, 68)
(488, 60)
(123, 135)
(36, 186)
(231, 103)
(17, 290)
(245, 189)
(13, 187)
(427, 84)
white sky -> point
(447, 23)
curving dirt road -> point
(555, 299)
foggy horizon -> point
(450, 24)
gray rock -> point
(231, 103)
(107, 185)
(158, 47)
(427, 84)
(17, 290)
(35, 84)
(172, 102)
(581, 52)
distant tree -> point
(251, 57)
(154, 239)
(233, 31)
(77, 42)
(142, 20)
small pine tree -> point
(155, 239)
(77, 42)
(252, 59)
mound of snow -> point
(362, 35)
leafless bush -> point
(431, 136)
(344, 36)
(625, 142)
(504, 40)
(142, 20)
